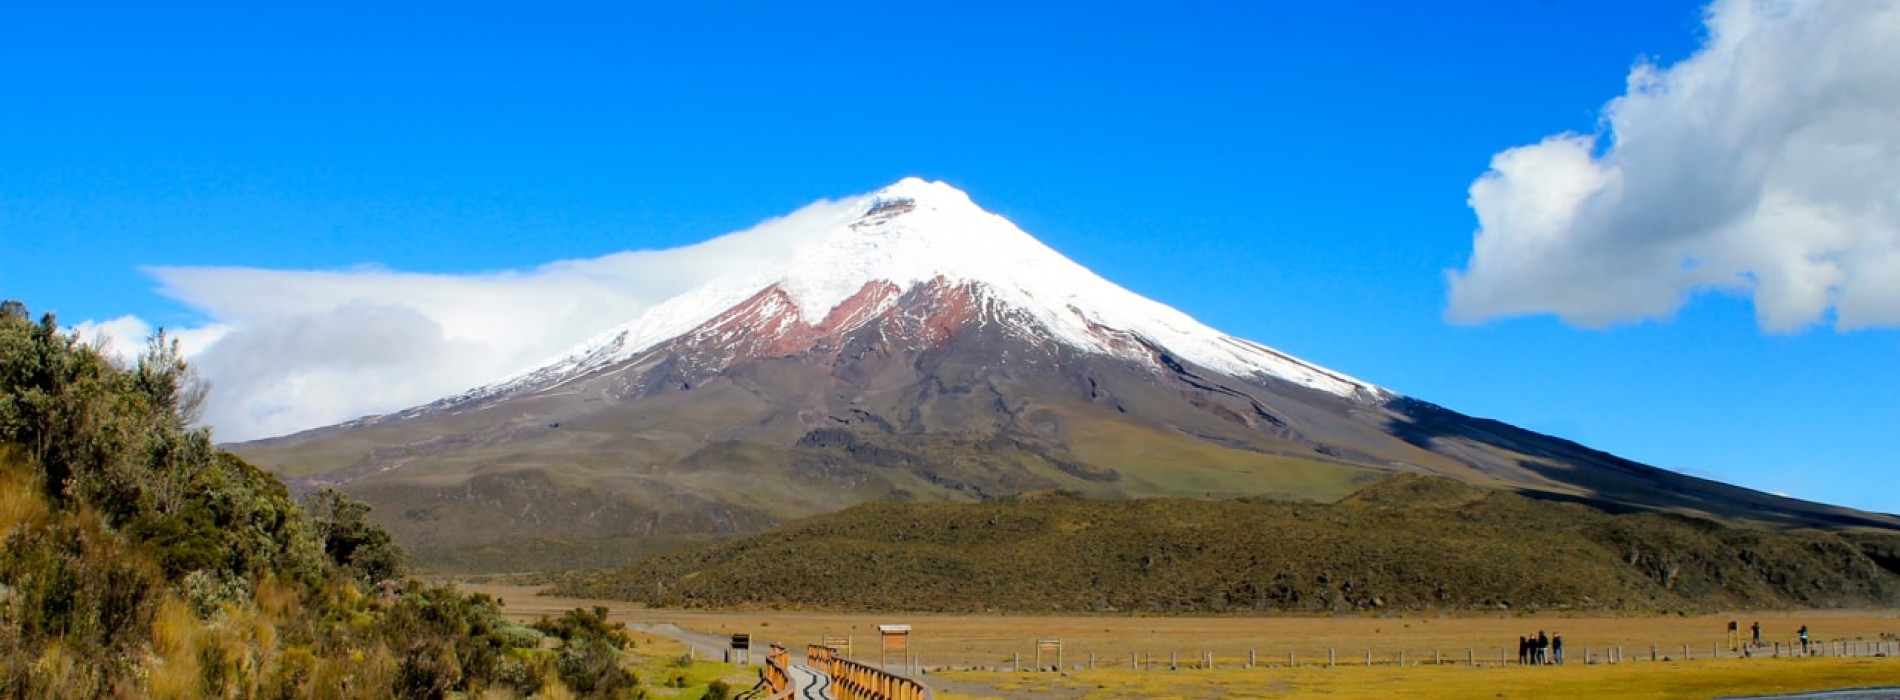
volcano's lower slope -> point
(1407, 544)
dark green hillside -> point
(136, 560)
(1410, 543)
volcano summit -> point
(913, 346)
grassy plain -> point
(957, 643)
(1696, 679)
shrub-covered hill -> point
(136, 560)
(1410, 543)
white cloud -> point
(125, 337)
(1766, 164)
(287, 350)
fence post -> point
(1471, 657)
(1091, 661)
(1368, 656)
(1016, 664)
(1685, 653)
(1652, 652)
(1329, 656)
(1401, 658)
(1173, 661)
(1437, 658)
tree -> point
(351, 540)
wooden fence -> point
(851, 680)
(1462, 656)
(778, 673)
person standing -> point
(1756, 629)
(1523, 650)
(1557, 649)
(1543, 648)
(1734, 636)
(1804, 639)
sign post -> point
(742, 643)
(894, 638)
(1052, 647)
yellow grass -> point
(1698, 679)
(993, 641)
(20, 500)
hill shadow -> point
(1614, 484)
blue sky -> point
(1293, 173)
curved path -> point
(811, 684)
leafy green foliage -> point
(589, 658)
(139, 561)
(351, 540)
(581, 624)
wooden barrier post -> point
(1329, 657)
(1471, 657)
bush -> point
(592, 667)
(136, 560)
(581, 624)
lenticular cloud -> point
(1766, 164)
(287, 350)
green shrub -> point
(112, 508)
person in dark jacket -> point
(1542, 652)
(1557, 649)
(1523, 650)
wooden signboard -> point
(895, 638)
(1051, 647)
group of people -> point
(1754, 631)
(1542, 649)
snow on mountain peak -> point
(916, 231)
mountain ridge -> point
(916, 347)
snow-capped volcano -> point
(910, 345)
(862, 256)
